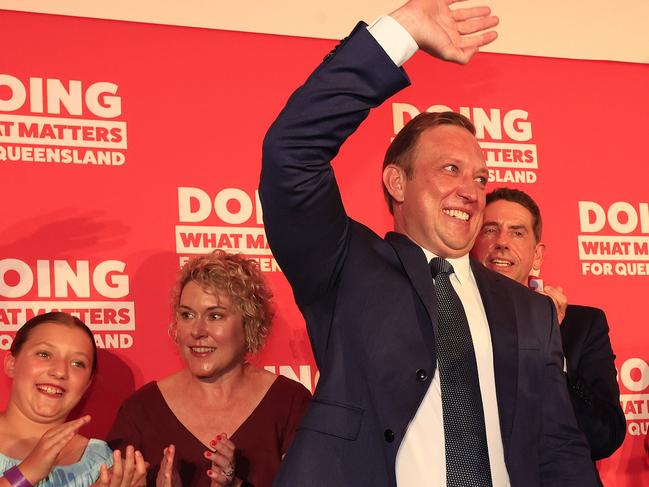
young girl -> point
(52, 361)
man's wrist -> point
(395, 40)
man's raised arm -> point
(306, 223)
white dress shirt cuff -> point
(395, 40)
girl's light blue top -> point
(81, 474)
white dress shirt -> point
(421, 457)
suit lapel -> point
(501, 317)
(414, 263)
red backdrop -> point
(125, 148)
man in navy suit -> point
(510, 243)
(374, 316)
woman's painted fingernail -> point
(213, 442)
(218, 437)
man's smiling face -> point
(440, 206)
(506, 243)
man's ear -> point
(539, 252)
(394, 179)
(10, 365)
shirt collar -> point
(461, 265)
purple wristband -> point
(16, 477)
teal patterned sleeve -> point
(81, 474)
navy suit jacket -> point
(592, 379)
(370, 309)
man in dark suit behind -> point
(510, 243)
(382, 413)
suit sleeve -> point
(565, 457)
(306, 224)
(594, 391)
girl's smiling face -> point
(51, 372)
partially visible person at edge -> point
(52, 361)
(434, 370)
(219, 421)
(510, 243)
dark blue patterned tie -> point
(465, 438)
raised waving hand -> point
(449, 34)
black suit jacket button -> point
(342, 41)
(422, 375)
(389, 436)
